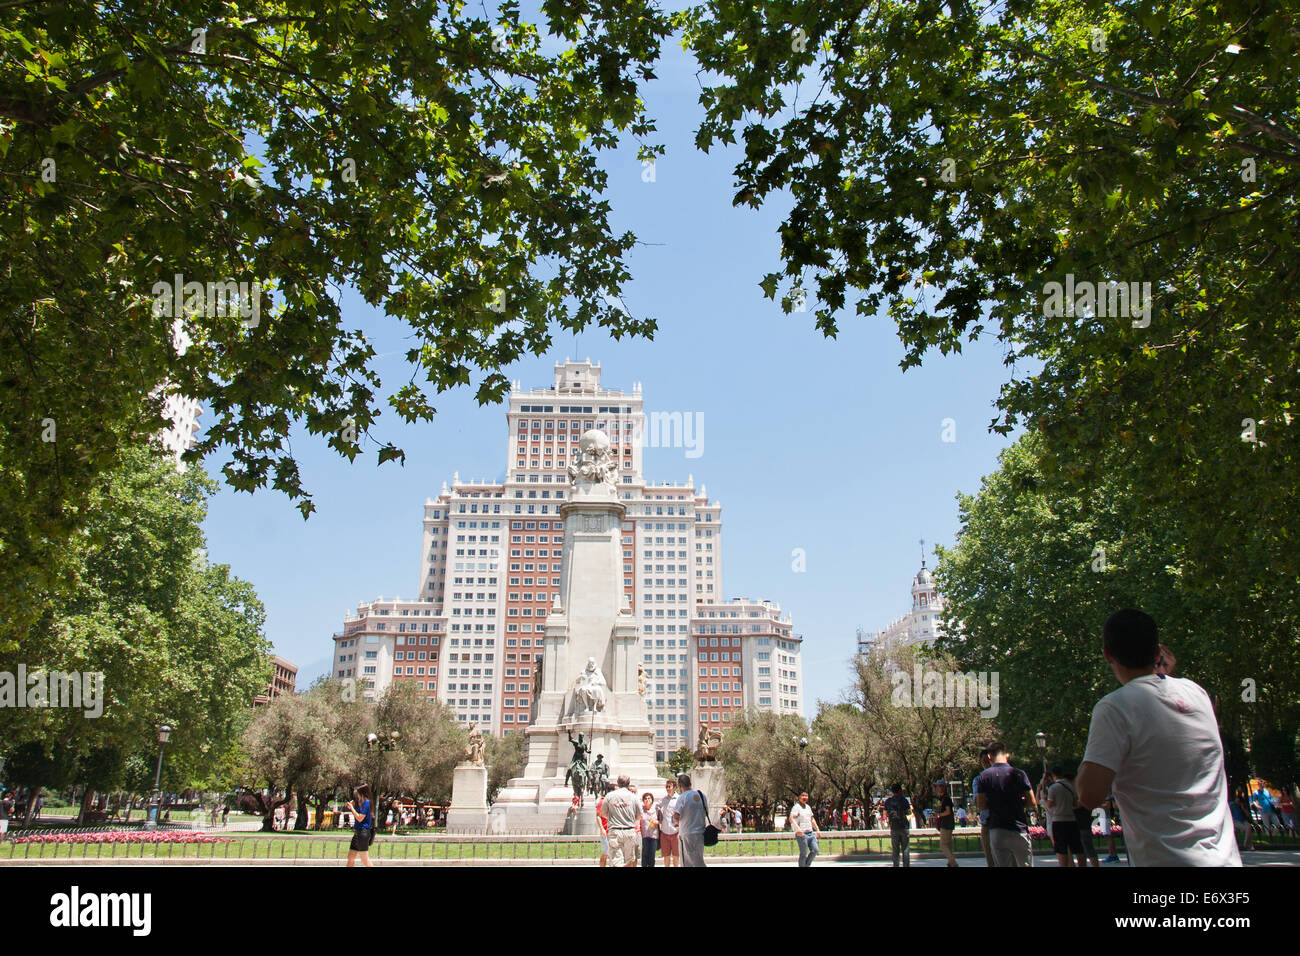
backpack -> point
(897, 818)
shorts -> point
(361, 840)
(668, 844)
(624, 845)
(1065, 837)
(604, 845)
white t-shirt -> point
(1160, 737)
(801, 818)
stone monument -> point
(468, 812)
(589, 661)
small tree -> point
(681, 761)
(504, 757)
(913, 742)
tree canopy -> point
(946, 162)
(174, 638)
(1037, 568)
(441, 162)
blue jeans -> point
(807, 847)
(898, 843)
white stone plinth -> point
(712, 782)
(468, 812)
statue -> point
(706, 748)
(595, 464)
(599, 775)
(474, 749)
(642, 680)
(589, 688)
(577, 772)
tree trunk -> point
(86, 798)
(32, 797)
(301, 822)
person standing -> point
(1006, 794)
(1155, 743)
(5, 804)
(804, 823)
(1263, 799)
(363, 827)
(946, 820)
(1286, 810)
(649, 825)
(898, 811)
(985, 762)
(668, 846)
(1240, 811)
(621, 811)
(1103, 821)
(604, 825)
(690, 818)
(1066, 840)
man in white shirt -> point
(1155, 744)
(622, 809)
(804, 823)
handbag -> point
(710, 831)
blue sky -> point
(824, 445)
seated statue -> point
(590, 689)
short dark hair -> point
(895, 788)
(684, 781)
(1131, 637)
(1059, 771)
(995, 748)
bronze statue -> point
(577, 772)
(706, 749)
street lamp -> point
(1040, 738)
(155, 798)
(383, 743)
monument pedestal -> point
(588, 679)
(468, 812)
(712, 782)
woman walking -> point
(363, 827)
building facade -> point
(922, 624)
(491, 567)
(283, 679)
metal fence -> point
(311, 846)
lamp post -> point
(155, 798)
(382, 743)
(1040, 738)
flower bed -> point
(124, 836)
(1040, 833)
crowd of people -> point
(635, 829)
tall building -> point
(920, 625)
(491, 567)
(283, 678)
(745, 656)
(183, 431)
